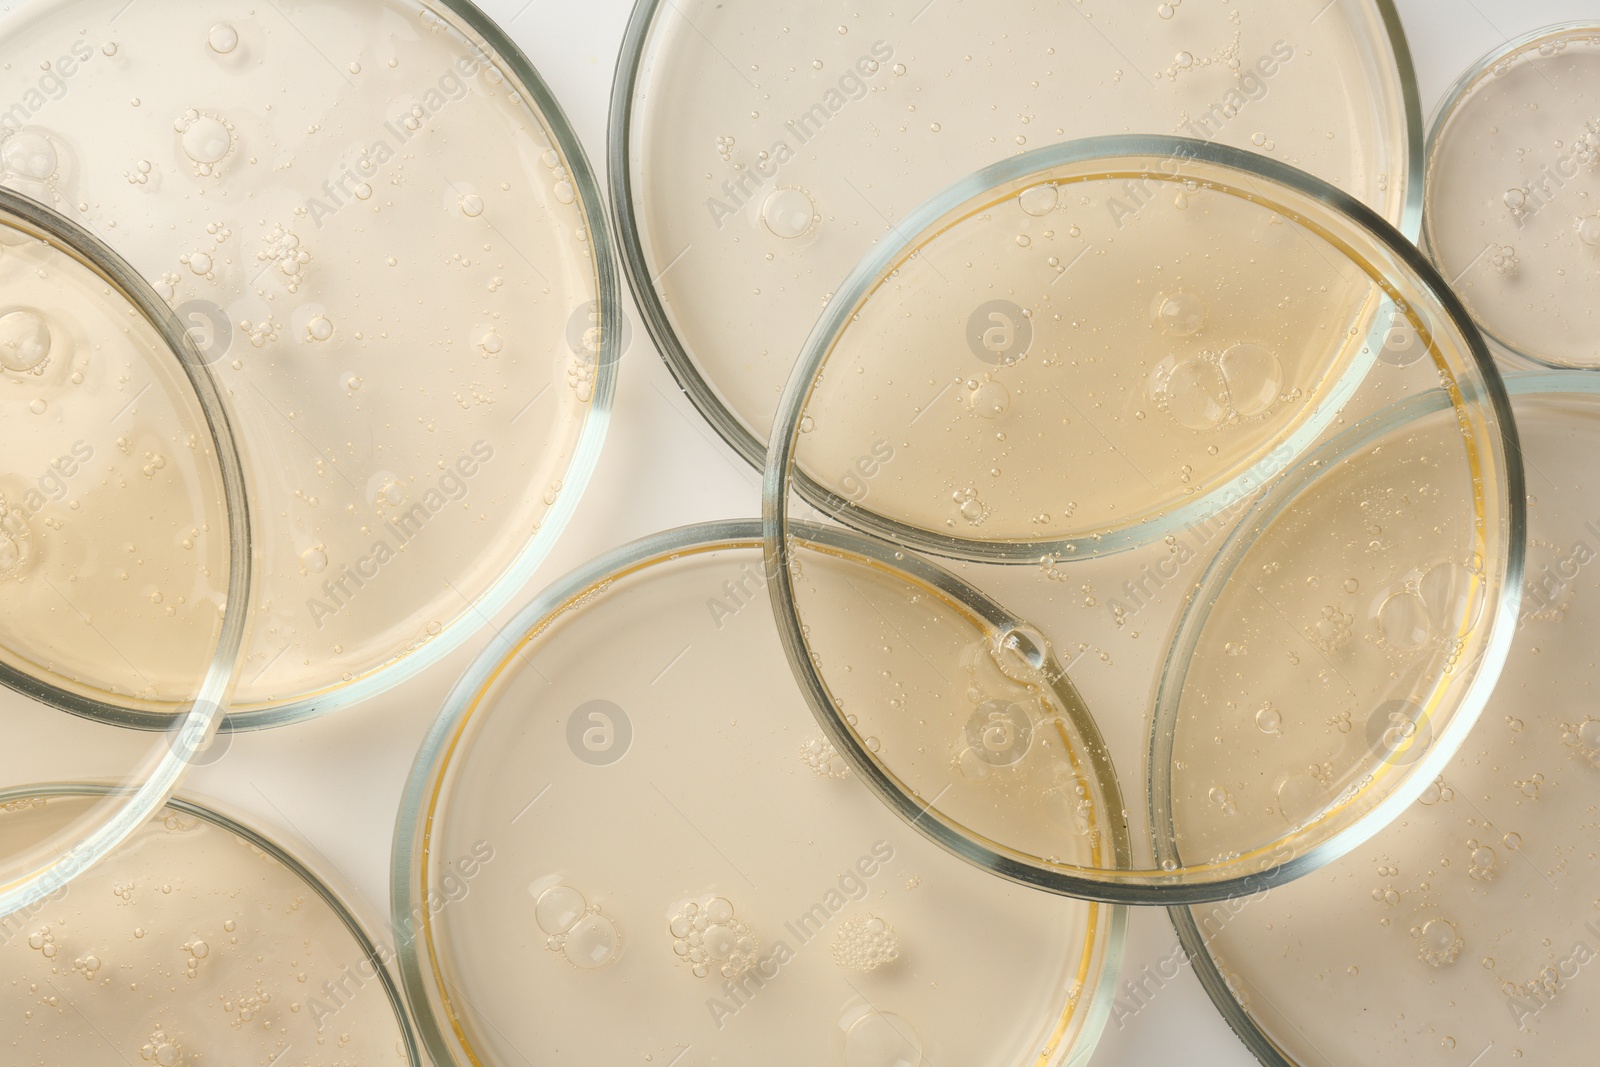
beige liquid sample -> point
(1513, 194)
(379, 241)
(1470, 921)
(1204, 447)
(191, 945)
(769, 148)
(672, 833)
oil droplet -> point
(1403, 622)
(1180, 313)
(472, 205)
(1589, 230)
(990, 400)
(1254, 377)
(319, 329)
(1195, 394)
(559, 908)
(1269, 720)
(37, 406)
(207, 139)
(1038, 200)
(788, 213)
(880, 1039)
(314, 559)
(222, 39)
(492, 342)
(24, 341)
(30, 154)
(592, 943)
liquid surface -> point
(772, 146)
(1513, 196)
(187, 946)
(377, 242)
(1471, 921)
(802, 924)
(1154, 445)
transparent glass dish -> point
(1473, 914)
(1193, 442)
(624, 801)
(1512, 206)
(383, 236)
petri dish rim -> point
(421, 795)
(1148, 888)
(608, 298)
(191, 730)
(337, 901)
(1194, 943)
(619, 156)
(1453, 97)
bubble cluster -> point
(1438, 942)
(823, 759)
(707, 935)
(1205, 391)
(285, 252)
(578, 930)
(865, 943)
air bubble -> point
(472, 205)
(1180, 313)
(29, 154)
(1254, 378)
(1269, 720)
(222, 39)
(24, 341)
(1038, 200)
(559, 908)
(788, 213)
(881, 1039)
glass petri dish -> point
(1513, 194)
(623, 799)
(385, 239)
(756, 154)
(198, 940)
(124, 543)
(1470, 922)
(1193, 441)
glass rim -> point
(778, 501)
(1465, 82)
(626, 217)
(422, 792)
(209, 702)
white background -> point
(336, 783)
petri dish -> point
(757, 154)
(1468, 923)
(125, 555)
(1512, 205)
(624, 797)
(377, 225)
(198, 940)
(1194, 441)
